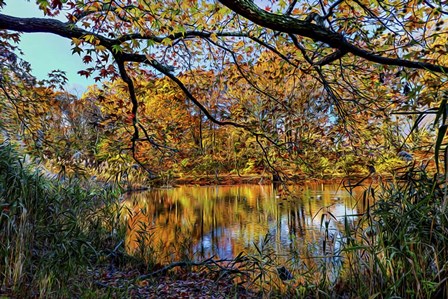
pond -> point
(223, 221)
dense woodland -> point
(277, 90)
(91, 135)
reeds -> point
(399, 248)
(51, 232)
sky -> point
(47, 52)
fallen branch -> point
(207, 262)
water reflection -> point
(223, 221)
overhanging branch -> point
(293, 26)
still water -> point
(223, 221)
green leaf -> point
(440, 135)
(77, 50)
(150, 43)
(441, 111)
(117, 49)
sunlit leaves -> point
(167, 41)
(89, 38)
(100, 48)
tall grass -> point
(399, 249)
(51, 232)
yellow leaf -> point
(239, 44)
(167, 41)
(89, 38)
(214, 37)
(76, 41)
(100, 48)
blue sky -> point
(47, 52)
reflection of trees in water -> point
(227, 220)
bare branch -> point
(324, 82)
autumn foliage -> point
(286, 89)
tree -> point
(364, 58)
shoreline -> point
(232, 180)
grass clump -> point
(51, 232)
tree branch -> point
(34, 25)
(291, 7)
(330, 58)
(291, 25)
(208, 262)
(324, 82)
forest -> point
(279, 93)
